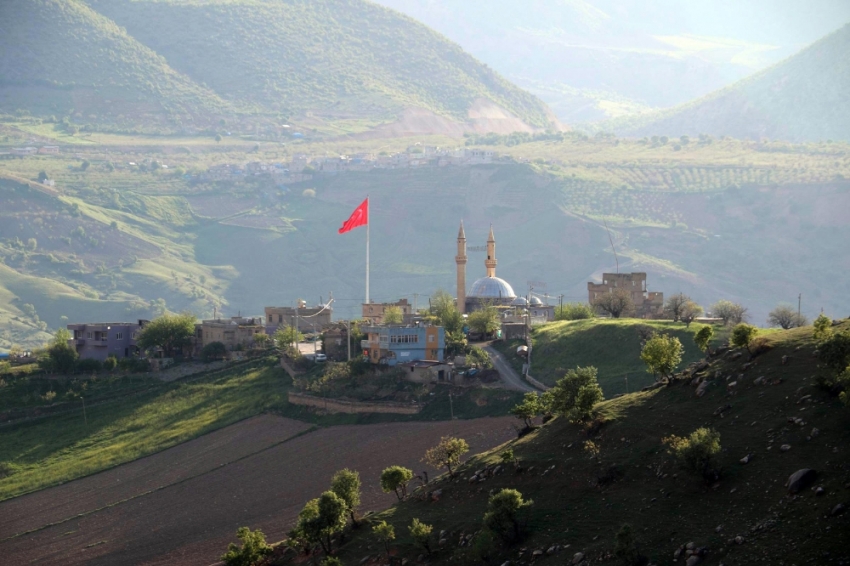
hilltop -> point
(769, 410)
(800, 99)
(611, 345)
(242, 65)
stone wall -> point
(352, 407)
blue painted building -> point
(392, 345)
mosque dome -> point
(535, 302)
(519, 302)
(491, 288)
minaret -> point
(490, 262)
(460, 260)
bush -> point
(477, 357)
(834, 352)
(385, 533)
(574, 311)
(213, 351)
(447, 453)
(89, 365)
(110, 363)
(823, 327)
(421, 534)
(742, 336)
(703, 338)
(396, 478)
(697, 452)
(575, 394)
(254, 548)
(625, 548)
(503, 516)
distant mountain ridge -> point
(190, 64)
(803, 98)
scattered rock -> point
(536, 554)
(731, 384)
(578, 557)
(551, 550)
(443, 542)
(365, 559)
(693, 560)
(720, 410)
(739, 539)
(800, 480)
(803, 399)
(718, 528)
(838, 510)
(701, 389)
(784, 360)
(785, 447)
(736, 355)
(435, 495)
(815, 432)
(506, 563)
(820, 491)
(759, 380)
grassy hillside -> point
(612, 345)
(581, 500)
(801, 98)
(63, 58)
(186, 65)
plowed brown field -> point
(183, 505)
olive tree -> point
(703, 338)
(320, 519)
(575, 394)
(447, 453)
(729, 312)
(253, 549)
(674, 306)
(529, 408)
(421, 534)
(504, 514)
(742, 336)
(171, 332)
(396, 478)
(689, 312)
(662, 354)
(346, 485)
(385, 533)
(485, 320)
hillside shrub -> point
(625, 547)
(575, 394)
(504, 515)
(528, 409)
(742, 336)
(385, 533)
(477, 357)
(574, 311)
(834, 352)
(703, 338)
(253, 549)
(483, 546)
(697, 452)
(662, 354)
(421, 534)
(822, 327)
(110, 363)
(785, 316)
(395, 479)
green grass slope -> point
(801, 99)
(611, 345)
(61, 57)
(581, 501)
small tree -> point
(729, 312)
(742, 336)
(42, 176)
(84, 165)
(61, 357)
(213, 351)
(662, 354)
(260, 340)
(674, 306)
(689, 312)
(508, 457)
(785, 316)
(393, 315)
(320, 519)
(697, 452)
(346, 485)
(218, 137)
(527, 409)
(110, 363)
(396, 478)
(834, 352)
(616, 303)
(288, 337)
(444, 307)
(421, 534)
(385, 533)
(485, 320)
(253, 548)
(575, 394)
(574, 311)
(331, 561)
(171, 332)
(703, 338)
(823, 327)
(447, 453)
(503, 516)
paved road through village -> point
(509, 376)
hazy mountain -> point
(194, 62)
(591, 59)
(803, 98)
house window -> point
(270, 319)
(119, 336)
(431, 338)
(88, 335)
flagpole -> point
(368, 225)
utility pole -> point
(799, 304)
(348, 337)
(415, 302)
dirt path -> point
(184, 505)
(509, 376)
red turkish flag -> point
(360, 217)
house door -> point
(441, 375)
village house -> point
(304, 318)
(49, 149)
(428, 371)
(22, 151)
(374, 312)
(646, 304)
(236, 333)
(391, 345)
(99, 340)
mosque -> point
(488, 290)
